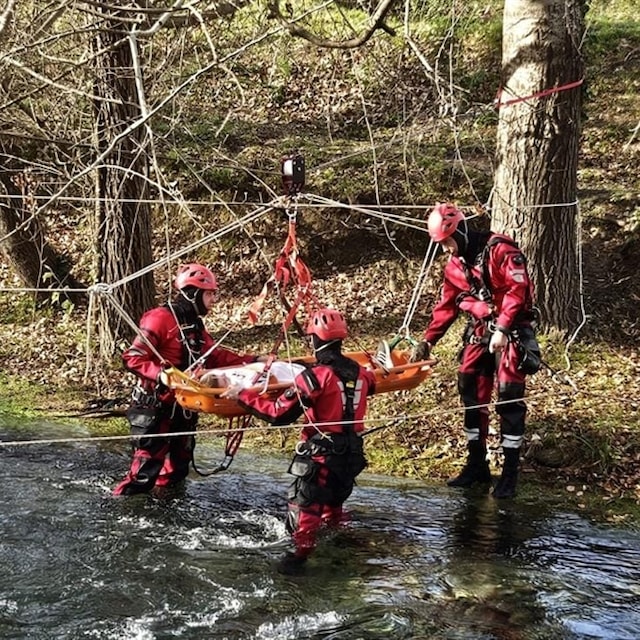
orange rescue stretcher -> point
(195, 396)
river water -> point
(418, 561)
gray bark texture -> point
(537, 149)
(123, 222)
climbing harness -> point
(190, 336)
(478, 303)
(196, 364)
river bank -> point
(582, 443)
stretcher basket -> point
(403, 375)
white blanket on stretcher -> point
(252, 374)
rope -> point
(412, 223)
(314, 200)
(103, 287)
(228, 228)
(583, 311)
(311, 200)
(234, 439)
(334, 204)
(392, 420)
(106, 290)
(539, 94)
(429, 257)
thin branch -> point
(53, 17)
(5, 16)
(190, 80)
(177, 16)
(376, 22)
(634, 133)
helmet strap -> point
(461, 237)
(195, 300)
(319, 345)
(185, 295)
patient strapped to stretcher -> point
(251, 375)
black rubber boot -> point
(291, 565)
(476, 469)
(506, 486)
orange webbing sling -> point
(289, 271)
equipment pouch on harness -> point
(143, 418)
(144, 414)
(143, 421)
(529, 357)
(304, 489)
(357, 459)
(303, 467)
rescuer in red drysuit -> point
(178, 335)
(486, 277)
(332, 394)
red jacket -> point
(161, 329)
(319, 393)
(508, 282)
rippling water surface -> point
(417, 561)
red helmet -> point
(443, 221)
(195, 275)
(327, 324)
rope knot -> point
(101, 288)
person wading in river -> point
(332, 394)
(172, 335)
(485, 277)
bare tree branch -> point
(176, 16)
(376, 22)
(5, 16)
(634, 133)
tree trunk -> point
(123, 220)
(23, 242)
(535, 198)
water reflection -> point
(417, 561)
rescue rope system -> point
(392, 367)
(289, 270)
(386, 422)
(237, 427)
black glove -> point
(422, 351)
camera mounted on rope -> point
(292, 167)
